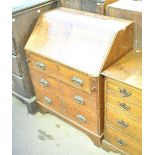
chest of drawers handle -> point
(124, 106)
(81, 118)
(47, 100)
(77, 81)
(124, 92)
(122, 123)
(40, 65)
(79, 100)
(120, 142)
(44, 82)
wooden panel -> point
(89, 5)
(120, 89)
(18, 85)
(16, 66)
(72, 112)
(69, 94)
(14, 49)
(123, 43)
(100, 104)
(125, 107)
(130, 145)
(63, 73)
(130, 10)
(73, 4)
(123, 123)
(85, 5)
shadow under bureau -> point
(66, 53)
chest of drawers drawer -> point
(123, 123)
(68, 93)
(49, 99)
(122, 141)
(71, 111)
(128, 108)
(63, 73)
(124, 91)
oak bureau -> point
(66, 53)
(123, 105)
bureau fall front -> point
(66, 53)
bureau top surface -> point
(75, 38)
(127, 70)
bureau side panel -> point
(100, 105)
(122, 44)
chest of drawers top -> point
(127, 70)
(80, 40)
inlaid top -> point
(75, 38)
(127, 70)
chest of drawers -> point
(24, 18)
(66, 53)
(123, 105)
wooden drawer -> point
(124, 91)
(82, 117)
(72, 112)
(122, 141)
(49, 99)
(63, 73)
(123, 106)
(123, 123)
(68, 93)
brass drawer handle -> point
(124, 92)
(77, 81)
(81, 118)
(124, 106)
(47, 100)
(79, 99)
(122, 123)
(120, 142)
(44, 82)
(40, 65)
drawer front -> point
(124, 91)
(68, 93)
(63, 73)
(125, 107)
(72, 112)
(50, 100)
(82, 117)
(16, 69)
(122, 142)
(18, 85)
(124, 124)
